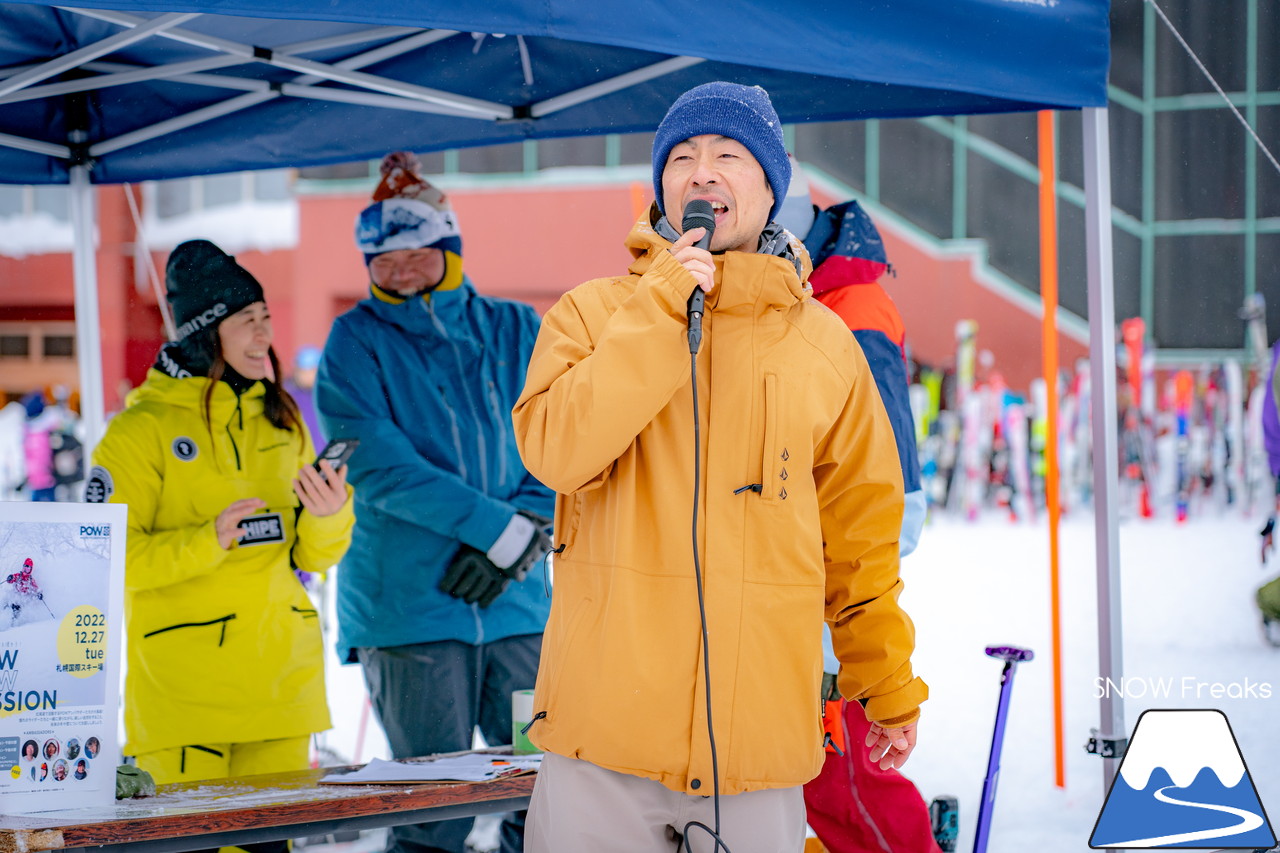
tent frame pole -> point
(88, 330)
(1102, 324)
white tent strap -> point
(1209, 77)
(143, 256)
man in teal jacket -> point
(443, 595)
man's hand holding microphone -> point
(479, 577)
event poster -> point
(61, 614)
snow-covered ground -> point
(1189, 618)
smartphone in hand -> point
(337, 451)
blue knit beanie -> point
(739, 112)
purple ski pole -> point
(1012, 656)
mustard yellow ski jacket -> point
(223, 645)
(799, 511)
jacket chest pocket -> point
(773, 468)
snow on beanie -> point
(205, 286)
(744, 113)
(409, 213)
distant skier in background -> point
(24, 591)
(1268, 596)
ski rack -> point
(1106, 746)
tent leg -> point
(88, 333)
(1102, 360)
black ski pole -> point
(1012, 656)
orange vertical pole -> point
(1049, 333)
(639, 199)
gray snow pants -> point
(430, 697)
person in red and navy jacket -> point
(855, 806)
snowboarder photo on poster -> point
(24, 590)
(443, 597)
(1268, 595)
(225, 670)
(709, 427)
(854, 804)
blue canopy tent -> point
(131, 90)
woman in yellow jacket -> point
(225, 660)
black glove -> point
(473, 578)
(534, 552)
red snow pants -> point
(855, 807)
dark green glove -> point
(132, 781)
(473, 578)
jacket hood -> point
(188, 393)
(766, 291)
(846, 248)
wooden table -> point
(223, 812)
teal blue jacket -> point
(428, 385)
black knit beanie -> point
(205, 286)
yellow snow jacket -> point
(223, 645)
(799, 510)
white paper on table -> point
(474, 767)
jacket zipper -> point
(502, 422)
(231, 435)
(481, 448)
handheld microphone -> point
(697, 214)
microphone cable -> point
(695, 338)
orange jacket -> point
(786, 402)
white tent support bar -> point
(14, 70)
(262, 92)
(49, 149)
(88, 337)
(1102, 367)
(185, 72)
(188, 72)
(179, 123)
(76, 58)
(356, 37)
(482, 109)
(478, 108)
(124, 19)
(613, 84)
(124, 78)
(420, 38)
(368, 99)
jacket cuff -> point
(898, 708)
(512, 542)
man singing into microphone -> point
(656, 728)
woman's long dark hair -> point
(278, 406)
